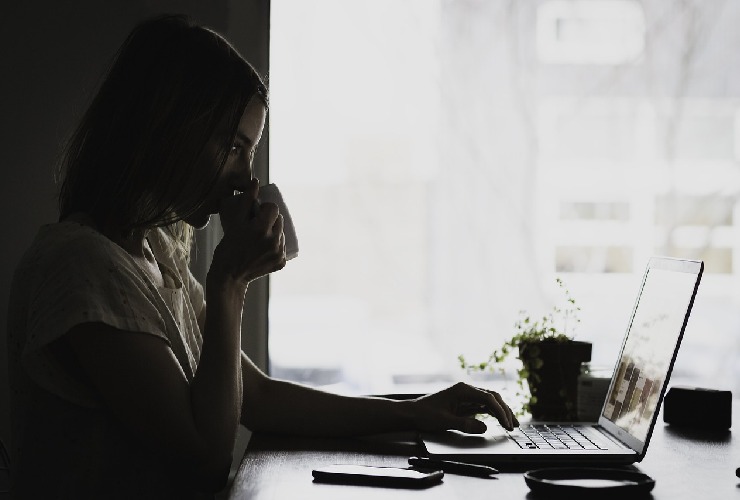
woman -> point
(122, 384)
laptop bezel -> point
(671, 264)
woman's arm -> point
(141, 383)
(282, 407)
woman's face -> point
(237, 171)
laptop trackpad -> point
(494, 439)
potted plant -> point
(551, 360)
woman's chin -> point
(198, 221)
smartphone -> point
(390, 477)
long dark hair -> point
(142, 155)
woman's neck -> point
(133, 243)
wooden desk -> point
(685, 465)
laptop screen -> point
(649, 349)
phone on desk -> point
(391, 477)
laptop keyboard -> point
(558, 437)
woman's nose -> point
(249, 170)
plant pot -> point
(552, 369)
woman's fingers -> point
(489, 402)
(506, 407)
(272, 226)
(268, 215)
(456, 408)
(253, 244)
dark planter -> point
(554, 380)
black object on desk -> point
(451, 467)
(366, 475)
(588, 482)
(698, 408)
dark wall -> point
(52, 55)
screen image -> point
(648, 350)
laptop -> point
(637, 388)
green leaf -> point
(461, 360)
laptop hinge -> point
(612, 437)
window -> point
(605, 32)
(445, 161)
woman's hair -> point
(142, 155)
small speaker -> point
(699, 408)
(592, 388)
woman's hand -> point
(253, 244)
(456, 407)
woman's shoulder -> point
(69, 245)
(77, 237)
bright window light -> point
(445, 161)
(590, 31)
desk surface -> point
(685, 465)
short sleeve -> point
(83, 280)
